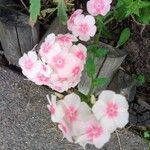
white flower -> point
(30, 64)
(111, 110)
(93, 133)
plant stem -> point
(109, 20)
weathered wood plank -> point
(55, 27)
(16, 35)
(9, 41)
(106, 67)
(124, 84)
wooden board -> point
(16, 35)
(106, 67)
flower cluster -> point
(59, 63)
(84, 125)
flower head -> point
(30, 64)
(111, 110)
(93, 133)
(98, 7)
(71, 20)
(84, 27)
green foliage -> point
(61, 11)
(124, 36)
(99, 82)
(102, 28)
(90, 67)
(146, 134)
(96, 51)
(35, 6)
(140, 79)
(138, 8)
(144, 16)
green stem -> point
(109, 20)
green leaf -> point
(35, 6)
(146, 134)
(101, 52)
(96, 51)
(90, 67)
(61, 11)
(140, 79)
(124, 36)
(102, 27)
(99, 82)
(144, 15)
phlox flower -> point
(111, 110)
(49, 48)
(66, 40)
(98, 7)
(59, 63)
(43, 75)
(84, 27)
(93, 133)
(79, 51)
(71, 20)
(30, 64)
(74, 109)
(55, 109)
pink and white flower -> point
(111, 110)
(49, 48)
(93, 133)
(74, 109)
(84, 27)
(71, 20)
(59, 64)
(55, 109)
(98, 7)
(66, 40)
(79, 51)
(30, 64)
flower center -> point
(80, 55)
(64, 39)
(94, 131)
(99, 6)
(46, 47)
(59, 61)
(112, 110)
(71, 113)
(29, 64)
(43, 79)
(84, 28)
(76, 70)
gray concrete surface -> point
(25, 122)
